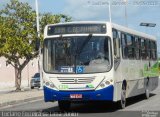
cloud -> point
(137, 11)
(95, 9)
(82, 10)
(98, 10)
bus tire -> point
(64, 105)
(123, 97)
(147, 91)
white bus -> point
(97, 61)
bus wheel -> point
(123, 97)
(64, 105)
(147, 92)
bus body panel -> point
(99, 77)
(133, 71)
(105, 94)
(133, 87)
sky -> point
(97, 10)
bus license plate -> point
(75, 96)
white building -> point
(7, 74)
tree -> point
(48, 18)
(18, 35)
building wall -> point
(7, 74)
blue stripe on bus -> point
(103, 94)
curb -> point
(19, 101)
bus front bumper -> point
(103, 94)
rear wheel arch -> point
(123, 94)
(147, 83)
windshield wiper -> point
(79, 50)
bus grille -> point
(79, 80)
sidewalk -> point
(12, 89)
(10, 97)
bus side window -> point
(131, 46)
(156, 56)
(149, 49)
(154, 50)
(124, 46)
(138, 47)
(143, 48)
(116, 44)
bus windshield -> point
(81, 54)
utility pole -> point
(38, 36)
(110, 13)
(37, 17)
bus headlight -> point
(47, 83)
(104, 84)
(107, 82)
(50, 84)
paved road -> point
(136, 107)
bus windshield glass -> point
(77, 55)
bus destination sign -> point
(77, 29)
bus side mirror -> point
(37, 44)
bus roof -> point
(116, 26)
(80, 22)
(131, 31)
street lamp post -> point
(126, 17)
(110, 13)
(37, 18)
(148, 24)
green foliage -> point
(48, 18)
(18, 29)
(18, 32)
